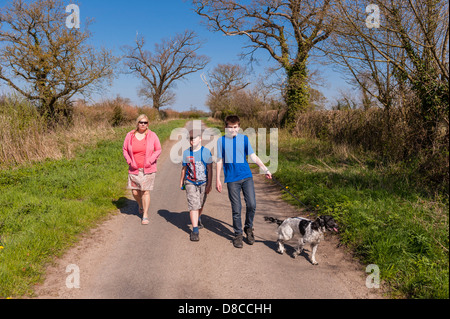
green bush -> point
(381, 219)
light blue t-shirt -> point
(197, 165)
(234, 152)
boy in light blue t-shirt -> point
(232, 152)
(196, 178)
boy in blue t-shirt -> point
(232, 152)
(196, 177)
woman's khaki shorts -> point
(142, 182)
(196, 196)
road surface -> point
(124, 259)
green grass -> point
(383, 220)
(45, 207)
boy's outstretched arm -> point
(258, 162)
(218, 172)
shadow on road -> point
(218, 227)
(182, 221)
(290, 249)
(127, 206)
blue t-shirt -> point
(234, 152)
(197, 165)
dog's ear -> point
(327, 219)
(316, 225)
(320, 222)
(330, 220)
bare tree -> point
(171, 61)
(287, 29)
(403, 64)
(226, 78)
(272, 83)
(408, 51)
(361, 63)
(44, 60)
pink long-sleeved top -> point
(152, 153)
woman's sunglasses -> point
(144, 123)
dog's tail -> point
(273, 220)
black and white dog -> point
(308, 232)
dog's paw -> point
(315, 263)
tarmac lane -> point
(122, 259)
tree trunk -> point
(297, 92)
(55, 112)
(156, 101)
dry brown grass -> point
(25, 138)
(397, 139)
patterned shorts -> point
(196, 196)
(142, 182)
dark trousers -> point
(234, 194)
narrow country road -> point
(123, 259)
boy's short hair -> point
(194, 133)
(232, 119)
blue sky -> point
(116, 24)
(117, 21)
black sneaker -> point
(195, 236)
(237, 241)
(250, 236)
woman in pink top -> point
(142, 149)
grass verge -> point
(383, 220)
(45, 207)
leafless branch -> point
(171, 60)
